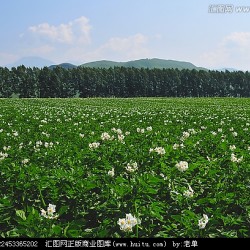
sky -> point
(213, 34)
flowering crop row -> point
(146, 167)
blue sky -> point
(79, 31)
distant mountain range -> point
(31, 61)
(63, 65)
(142, 63)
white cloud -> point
(232, 51)
(121, 48)
(76, 31)
(241, 39)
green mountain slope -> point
(144, 63)
(63, 65)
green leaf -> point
(21, 214)
(73, 233)
(63, 210)
(57, 230)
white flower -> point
(51, 209)
(163, 176)
(185, 135)
(182, 166)
(49, 214)
(126, 224)
(189, 193)
(111, 172)
(175, 146)
(3, 156)
(119, 131)
(158, 150)
(6, 148)
(15, 133)
(203, 221)
(131, 167)
(81, 135)
(94, 145)
(25, 161)
(120, 137)
(43, 213)
(232, 147)
(235, 159)
(149, 128)
(152, 150)
(105, 136)
(234, 134)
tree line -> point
(25, 82)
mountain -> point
(144, 63)
(63, 65)
(31, 61)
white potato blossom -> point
(158, 150)
(149, 128)
(192, 131)
(140, 130)
(105, 136)
(232, 147)
(119, 131)
(3, 156)
(6, 148)
(235, 159)
(120, 137)
(182, 166)
(126, 224)
(111, 172)
(15, 133)
(132, 167)
(176, 146)
(185, 135)
(163, 176)
(203, 221)
(49, 214)
(25, 161)
(189, 192)
(234, 134)
(81, 135)
(94, 145)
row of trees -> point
(121, 82)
